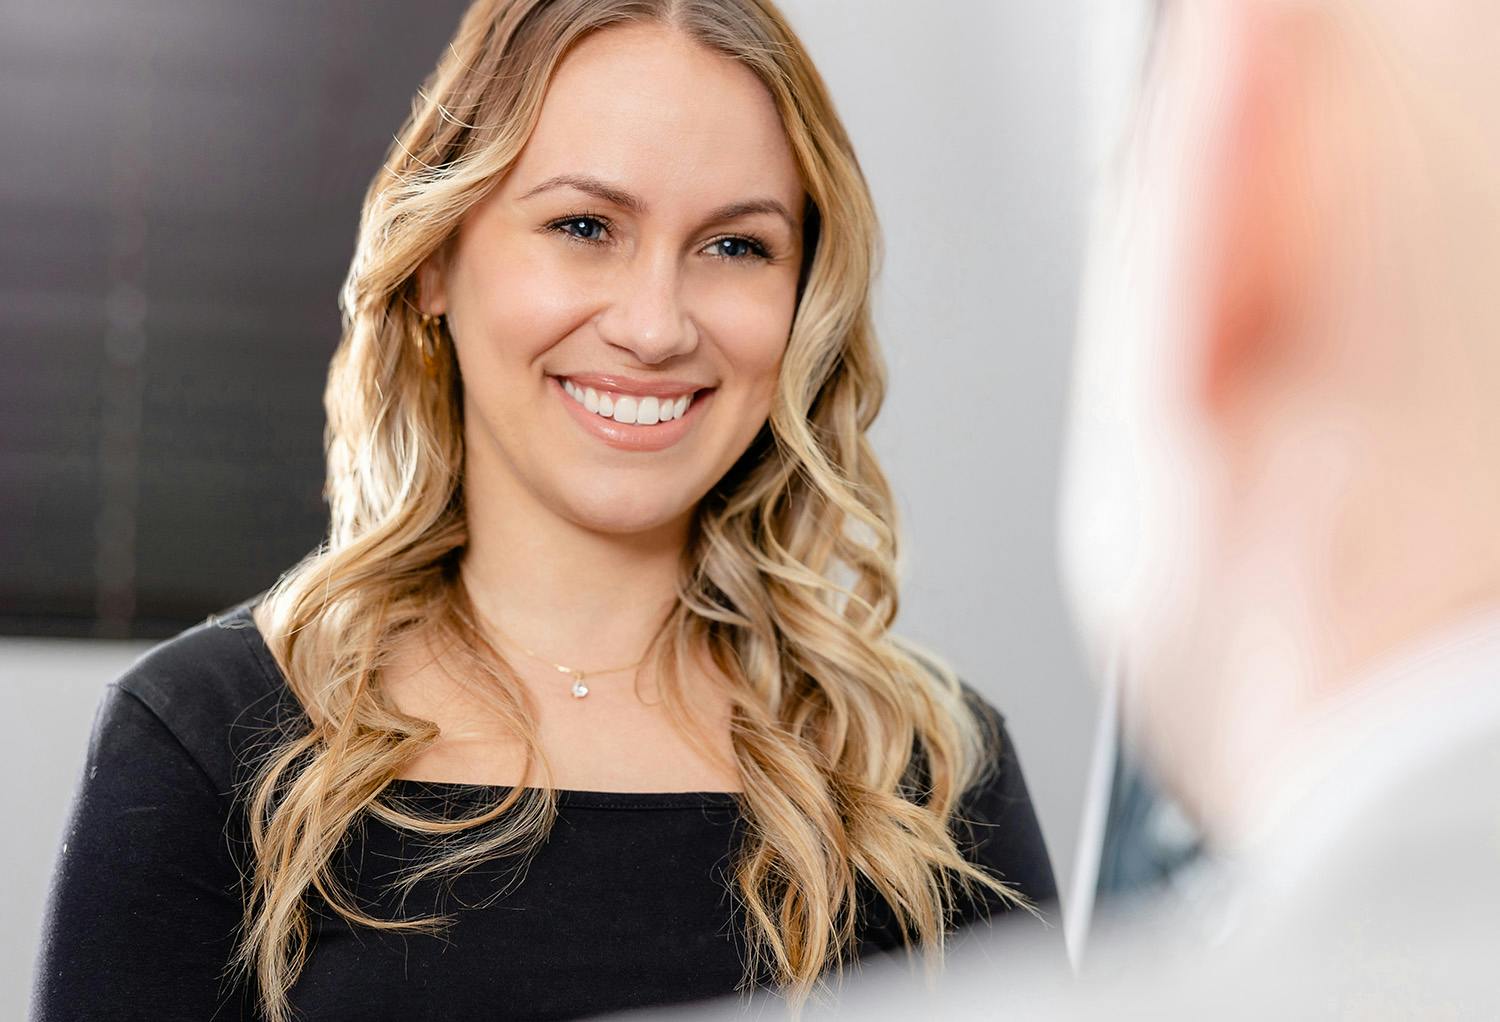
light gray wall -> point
(50, 688)
(968, 122)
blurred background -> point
(179, 196)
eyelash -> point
(758, 249)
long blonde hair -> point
(852, 753)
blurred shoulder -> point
(216, 687)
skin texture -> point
(575, 543)
(1281, 466)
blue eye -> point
(584, 228)
(737, 248)
(592, 229)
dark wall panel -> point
(179, 189)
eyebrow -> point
(625, 200)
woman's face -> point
(621, 300)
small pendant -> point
(579, 688)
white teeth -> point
(627, 408)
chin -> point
(614, 513)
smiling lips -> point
(629, 409)
(633, 413)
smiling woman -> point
(590, 699)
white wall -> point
(50, 688)
(968, 120)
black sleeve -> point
(145, 899)
(994, 826)
(998, 828)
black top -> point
(627, 903)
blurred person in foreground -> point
(1281, 501)
(1282, 517)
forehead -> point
(659, 114)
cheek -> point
(509, 305)
(750, 327)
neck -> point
(1308, 638)
(589, 599)
(1342, 753)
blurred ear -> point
(1255, 260)
(432, 287)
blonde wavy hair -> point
(852, 753)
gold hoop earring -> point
(429, 340)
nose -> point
(647, 314)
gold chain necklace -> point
(579, 688)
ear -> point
(1256, 205)
(432, 286)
